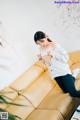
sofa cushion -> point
(58, 101)
(9, 95)
(45, 115)
(27, 78)
(21, 111)
(74, 59)
(39, 89)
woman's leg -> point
(60, 83)
(68, 83)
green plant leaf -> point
(11, 116)
(3, 100)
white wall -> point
(21, 19)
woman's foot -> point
(76, 72)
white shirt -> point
(59, 62)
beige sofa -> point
(42, 98)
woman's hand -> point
(47, 58)
(39, 56)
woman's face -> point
(43, 42)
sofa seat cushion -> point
(45, 115)
(21, 111)
(58, 101)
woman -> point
(56, 58)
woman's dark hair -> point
(40, 35)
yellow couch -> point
(42, 98)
